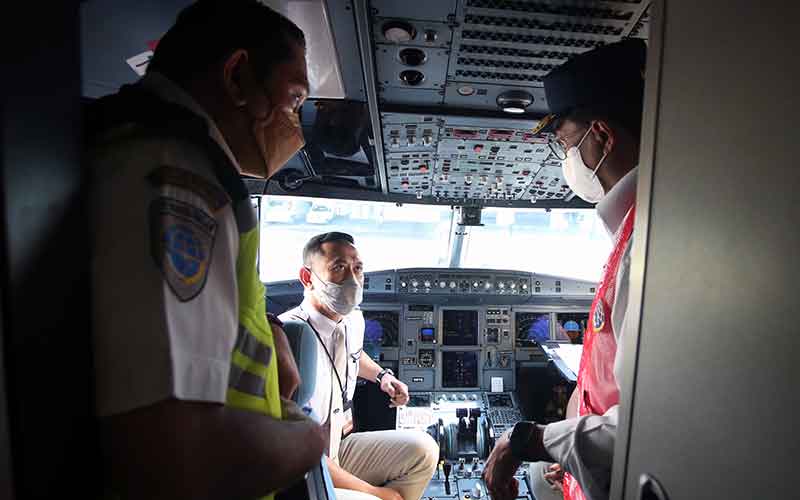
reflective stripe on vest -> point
(597, 387)
(253, 384)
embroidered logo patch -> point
(599, 316)
(182, 237)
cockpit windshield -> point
(563, 242)
(388, 236)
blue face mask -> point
(340, 298)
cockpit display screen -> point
(570, 327)
(427, 334)
(381, 329)
(532, 328)
(460, 327)
(500, 400)
(459, 369)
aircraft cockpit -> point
(423, 142)
(163, 174)
(479, 348)
(481, 262)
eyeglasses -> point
(557, 146)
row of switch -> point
(444, 398)
(411, 140)
(512, 285)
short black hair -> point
(208, 31)
(314, 245)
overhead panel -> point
(411, 142)
(459, 87)
(462, 159)
(501, 45)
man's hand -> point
(397, 391)
(288, 374)
(499, 471)
(385, 493)
(555, 476)
(290, 411)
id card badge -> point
(347, 404)
(347, 417)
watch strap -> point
(382, 373)
(520, 440)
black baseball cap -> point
(607, 79)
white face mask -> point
(340, 298)
(581, 180)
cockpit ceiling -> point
(444, 69)
(421, 121)
(469, 52)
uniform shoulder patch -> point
(182, 239)
(599, 316)
(213, 194)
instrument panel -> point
(461, 348)
(470, 334)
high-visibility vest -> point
(597, 387)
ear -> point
(234, 77)
(603, 132)
(305, 278)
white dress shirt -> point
(584, 446)
(352, 326)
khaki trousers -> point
(401, 460)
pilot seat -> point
(317, 484)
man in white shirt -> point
(390, 465)
(597, 100)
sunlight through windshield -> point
(570, 243)
(387, 236)
(561, 242)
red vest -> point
(597, 386)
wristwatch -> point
(520, 440)
(382, 373)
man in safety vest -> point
(187, 386)
(596, 99)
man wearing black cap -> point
(596, 99)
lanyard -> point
(343, 387)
